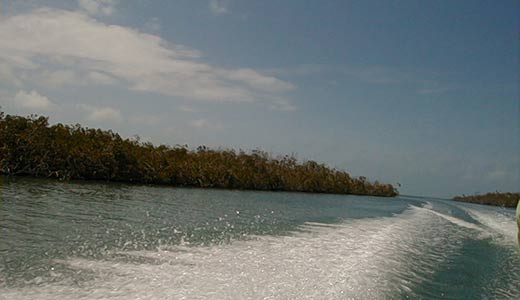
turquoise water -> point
(115, 241)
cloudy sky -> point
(424, 93)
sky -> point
(421, 93)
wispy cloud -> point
(205, 124)
(366, 74)
(185, 108)
(152, 25)
(303, 70)
(98, 7)
(434, 90)
(219, 7)
(66, 47)
(7, 74)
(424, 82)
(146, 119)
(282, 105)
(200, 123)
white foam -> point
(360, 259)
(502, 223)
(455, 221)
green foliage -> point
(30, 146)
(498, 199)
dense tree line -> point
(30, 146)
(498, 199)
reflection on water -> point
(99, 241)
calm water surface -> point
(115, 241)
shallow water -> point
(115, 241)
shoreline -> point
(493, 199)
(29, 146)
(5, 177)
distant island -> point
(29, 146)
(498, 199)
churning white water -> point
(359, 259)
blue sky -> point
(424, 93)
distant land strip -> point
(29, 146)
(497, 199)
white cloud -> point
(98, 7)
(32, 100)
(73, 47)
(219, 7)
(102, 114)
(61, 78)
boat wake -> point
(500, 222)
(371, 258)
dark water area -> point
(91, 240)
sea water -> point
(92, 240)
